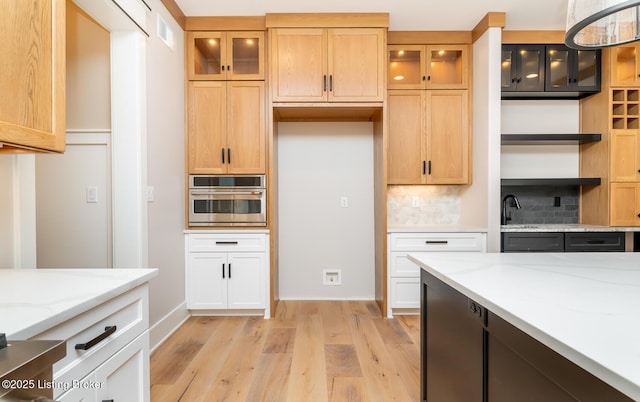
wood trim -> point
(175, 11)
(327, 20)
(490, 20)
(525, 37)
(250, 23)
(428, 37)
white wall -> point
(318, 163)
(166, 166)
(480, 201)
(72, 232)
(6, 211)
(540, 117)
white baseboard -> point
(163, 329)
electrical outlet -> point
(556, 201)
(415, 202)
(344, 202)
(332, 277)
(151, 196)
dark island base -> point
(469, 354)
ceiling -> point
(405, 15)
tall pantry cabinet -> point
(428, 114)
(615, 112)
(226, 101)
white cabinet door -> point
(207, 281)
(79, 393)
(245, 282)
(125, 376)
(402, 266)
(405, 293)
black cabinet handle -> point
(519, 79)
(229, 270)
(331, 83)
(595, 241)
(233, 243)
(86, 346)
(324, 83)
(428, 78)
(424, 167)
(228, 67)
(222, 67)
(223, 271)
(638, 215)
(424, 78)
(229, 155)
(429, 169)
(222, 155)
(436, 242)
(513, 80)
(107, 400)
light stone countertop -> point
(434, 229)
(35, 300)
(585, 306)
(565, 227)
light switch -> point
(92, 194)
(151, 196)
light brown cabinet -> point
(624, 62)
(625, 204)
(32, 82)
(428, 137)
(226, 127)
(334, 65)
(225, 55)
(625, 156)
(428, 67)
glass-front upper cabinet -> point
(428, 67)
(522, 68)
(625, 66)
(572, 70)
(225, 55)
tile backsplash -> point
(537, 204)
(434, 205)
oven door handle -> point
(206, 192)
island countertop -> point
(584, 306)
(34, 300)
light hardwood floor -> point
(311, 351)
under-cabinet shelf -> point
(549, 139)
(580, 181)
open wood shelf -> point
(548, 139)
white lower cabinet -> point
(123, 378)
(107, 351)
(227, 272)
(403, 278)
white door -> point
(246, 280)
(207, 281)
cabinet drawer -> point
(405, 292)
(127, 312)
(201, 243)
(401, 266)
(594, 241)
(532, 242)
(436, 242)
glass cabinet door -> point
(405, 67)
(558, 67)
(508, 69)
(205, 54)
(245, 55)
(447, 66)
(587, 74)
(530, 69)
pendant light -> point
(595, 24)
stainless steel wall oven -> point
(216, 200)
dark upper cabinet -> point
(549, 71)
(570, 70)
(522, 68)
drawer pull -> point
(233, 243)
(107, 400)
(86, 346)
(437, 242)
(595, 241)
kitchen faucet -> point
(505, 215)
